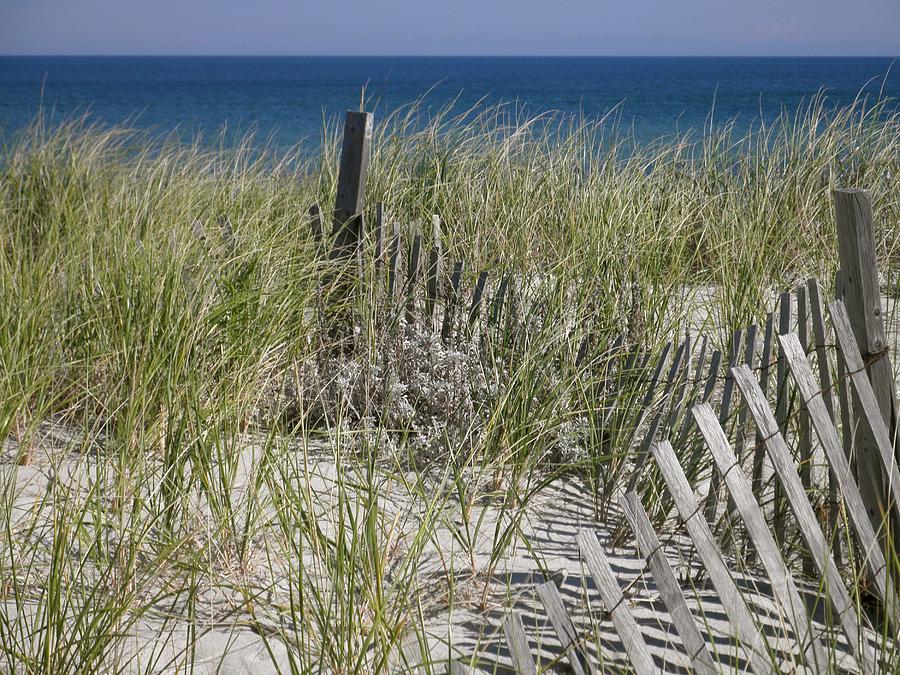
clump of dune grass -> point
(162, 303)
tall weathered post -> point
(347, 227)
(351, 186)
(861, 293)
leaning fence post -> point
(862, 298)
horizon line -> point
(462, 56)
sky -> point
(452, 27)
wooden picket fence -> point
(820, 536)
(784, 431)
(414, 283)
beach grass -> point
(184, 450)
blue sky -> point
(454, 27)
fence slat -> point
(782, 412)
(650, 548)
(413, 274)
(840, 468)
(681, 439)
(765, 366)
(714, 365)
(643, 451)
(517, 642)
(712, 498)
(435, 270)
(497, 303)
(782, 583)
(820, 342)
(611, 594)
(379, 235)
(394, 262)
(749, 359)
(583, 349)
(577, 656)
(795, 493)
(316, 224)
(646, 403)
(477, 295)
(739, 614)
(781, 395)
(803, 441)
(848, 430)
(676, 402)
(452, 302)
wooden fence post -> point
(347, 228)
(862, 297)
(351, 187)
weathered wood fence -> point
(791, 428)
(830, 404)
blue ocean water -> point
(287, 99)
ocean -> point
(286, 100)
